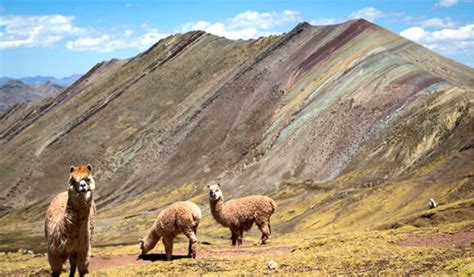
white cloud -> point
(438, 23)
(368, 13)
(267, 20)
(42, 31)
(446, 41)
(148, 39)
(463, 33)
(49, 30)
(88, 43)
(245, 25)
(111, 42)
(326, 21)
(447, 3)
(413, 33)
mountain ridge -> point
(348, 108)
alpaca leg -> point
(190, 250)
(72, 263)
(194, 248)
(168, 242)
(265, 229)
(240, 236)
(83, 263)
(195, 230)
(56, 263)
(192, 243)
(234, 236)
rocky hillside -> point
(14, 92)
(349, 120)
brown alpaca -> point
(70, 223)
(240, 214)
(178, 218)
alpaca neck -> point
(152, 238)
(217, 210)
(77, 211)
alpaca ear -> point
(89, 167)
(208, 186)
(71, 169)
(219, 185)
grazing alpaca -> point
(240, 214)
(70, 223)
(178, 218)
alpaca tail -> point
(274, 205)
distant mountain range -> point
(16, 92)
(30, 89)
(37, 80)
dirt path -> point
(441, 240)
(103, 262)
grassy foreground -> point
(309, 236)
(360, 252)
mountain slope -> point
(329, 116)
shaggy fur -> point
(240, 214)
(178, 218)
(70, 223)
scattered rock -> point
(272, 265)
(25, 251)
(432, 204)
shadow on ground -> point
(159, 257)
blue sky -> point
(60, 38)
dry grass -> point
(323, 231)
(362, 252)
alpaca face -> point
(215, 192)
(142, 246)
(81, 181)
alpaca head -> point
(81, 182)
(142, 246)
(148, 243)
(215, 192)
